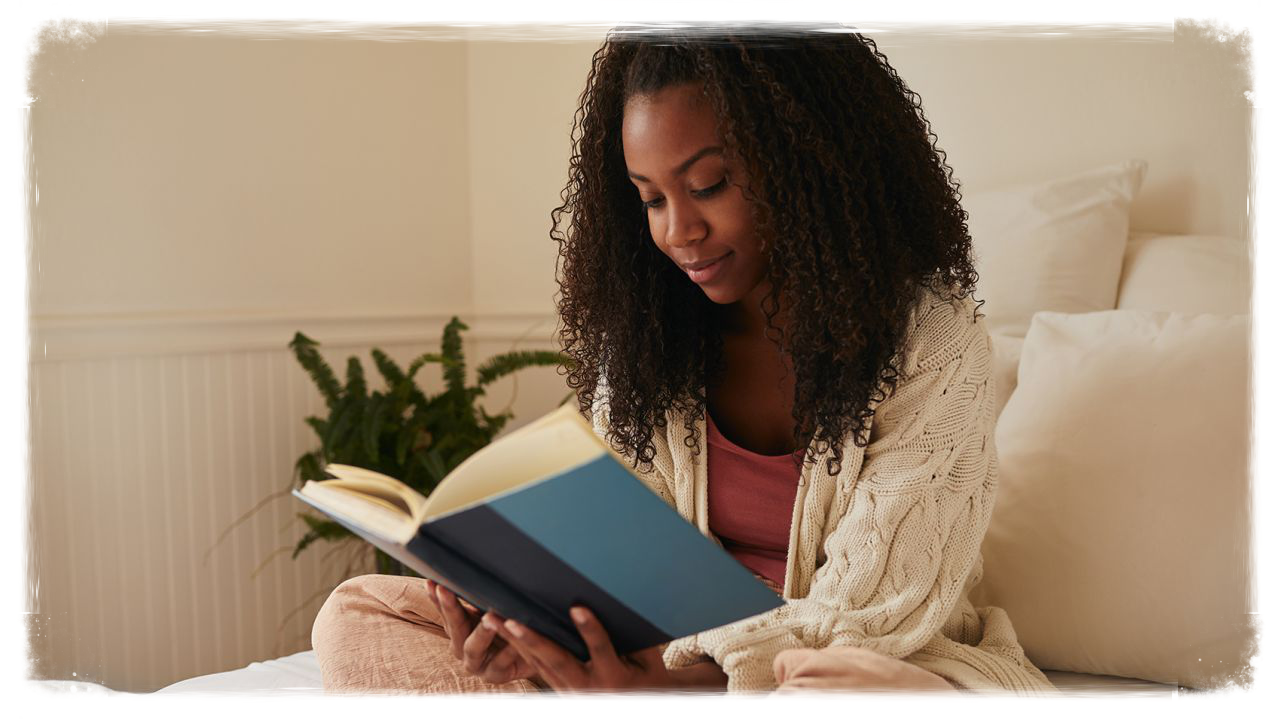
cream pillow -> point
(1005, 352)
(1055, 246)
(1185, 273)
(1118, 544)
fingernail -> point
(579, 615)
(490, 622)
(514, 627)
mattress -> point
(294, 674)
(299, 673)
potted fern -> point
(401, 431)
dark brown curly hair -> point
(842, 167)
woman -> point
(766, 286)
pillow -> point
(1005, 352)
(1055, 246)
(1118, 544)
(1185, 273)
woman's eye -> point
(708, 192)
(700, 194)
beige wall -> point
(214, 175)
(520, 109)
(1014, 110)
(222, 175)
(201, 197)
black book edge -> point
(461, 576)
(487, 592)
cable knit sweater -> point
(884, 554)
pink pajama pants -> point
(379, 633)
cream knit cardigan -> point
(884, 554)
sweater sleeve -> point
(899, 554)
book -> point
(544, 518)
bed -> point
(299, 673)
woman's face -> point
(692, 192)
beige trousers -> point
(379, 633)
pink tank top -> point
(749, 501)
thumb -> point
(649, 659)
(786, 662)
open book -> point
(544, 518)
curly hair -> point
(841, 163)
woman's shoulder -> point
(943, 325)
(946, 346)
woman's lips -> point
(708, 273)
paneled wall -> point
(147, 568)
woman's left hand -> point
(605, 670)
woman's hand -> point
(605, 670)
(482, 653)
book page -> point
(555, 442)
(377, 486)
(376, 516)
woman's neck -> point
(746, 317)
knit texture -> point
(882, 555)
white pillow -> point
(1119, 539)
(1005, 352)
(1055, 246)
(1185, 273)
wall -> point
(204, 195)
(520, 101)
(215, 175)
(1010, 108)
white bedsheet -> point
(294, 674)
(299, 673)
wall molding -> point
(76, 337)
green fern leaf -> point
(325, 529)
(391, 371)
(407, 435)
(494, 423)
(356, 387)
(308, 469)
(339, 428)
(372, 425)
(305, 350)
(504, 364)
(455, 369)
(319, 426)
(434, 465)
(422, 360)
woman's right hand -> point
(482, 652)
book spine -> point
(488, 593)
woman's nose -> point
(685, 225)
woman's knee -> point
(368, 598)
(333, 615)
(850, 668)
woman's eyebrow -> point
(709, 150)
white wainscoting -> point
(150, 437)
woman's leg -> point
(989, 662)
(851, 669)
(379, 633)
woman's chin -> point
(721, 296)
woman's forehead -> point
(673, 123)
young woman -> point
(766, 286)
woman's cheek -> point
(658, 231)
